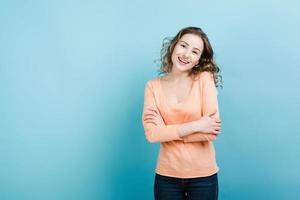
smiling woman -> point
(181, 112)
(195, 36)
(187, 52)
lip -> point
(183, 61)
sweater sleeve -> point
(157, 133)
(209, 98)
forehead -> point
(193, 40)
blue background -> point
(72, 76)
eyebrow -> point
(189, 45)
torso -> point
(178, 158)
(176, 92)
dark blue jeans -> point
(202, 188)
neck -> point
(176, 75)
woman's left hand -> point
(153, 116)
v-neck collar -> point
(177, 103)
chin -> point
(183, 68)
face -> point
(187, 52)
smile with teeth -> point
(182, 61)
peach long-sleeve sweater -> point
(193, 155)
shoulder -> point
(204, 76)
(152, 83)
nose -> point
(186, 54)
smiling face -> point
(187, 52)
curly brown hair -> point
(206, 61)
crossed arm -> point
(196, 131)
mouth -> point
(182, 61)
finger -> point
(150, 109)
(151, 112)
(218, 128)
(152, 115)
(214, 133)
(150, 122)
(149, 115)
(210, 115)
(217, 125)
(218, 121)
(149, 118)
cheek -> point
(196, 59)
(177, 50)
(174, 57)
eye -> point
(183, 45)
(195, 52)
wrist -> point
(197, 126)
(187, 128)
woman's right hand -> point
(208, 124)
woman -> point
(181, 112)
